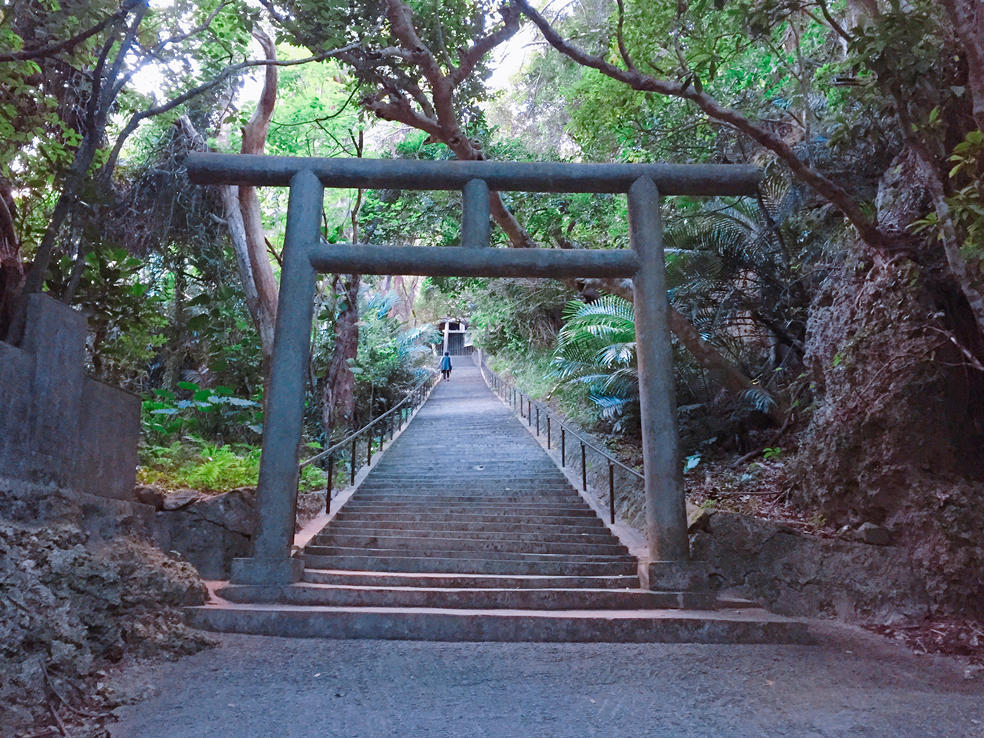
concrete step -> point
(468, 581)
(337, 540)
(612, 626)
(503, 516)
(437, 563)
(535, 467)
(334, 533)
(459, 481)
(474, 496)
(449, 475)
(472, 509)
(548, 532)
(449, 551)
(517, 483)
(334, 595)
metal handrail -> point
(506, 389)
(413, 399)
(367, 426)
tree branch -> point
(71, 43)
(876, 239)
(948, 228)
(184, 97)
(473, 55)
(620, 37)
(967, 18)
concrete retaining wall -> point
(57, 426)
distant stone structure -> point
(57, 426)
(457, 337)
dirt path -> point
(858, 684)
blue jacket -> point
(445, 363)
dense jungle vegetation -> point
(832, 326)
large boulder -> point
(210, 531)
(896, 437)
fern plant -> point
(597, 348)
(732, 271)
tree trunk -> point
(11, 269)
(103, 95)
(260, 270)
(967, 17)
(338, 395)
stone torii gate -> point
(305, 254)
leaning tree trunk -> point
(260, 270)
(338, 394)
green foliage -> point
(214, 412)
(597, 348)
(532, 371)
(967, 200)
(209, 467)
(123, 309)
(389, 355)
(446, 28)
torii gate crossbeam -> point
(305, 255)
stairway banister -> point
(371, 424)
(483, 367)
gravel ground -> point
(857, 684)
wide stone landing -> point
(466, 530)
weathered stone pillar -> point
(666, 519)
(277, 490)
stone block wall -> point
(57, 426)
(796, 574)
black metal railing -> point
(540, 416)
(372, 435)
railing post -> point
(529, 412)
(277, 488)
(584, 469)
(538, 420)
(611, 493)
(548, 430)
(563, 446)
(331, 479)
(666, 520)
(369, 445)
(355, 451)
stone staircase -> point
(465, 529)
